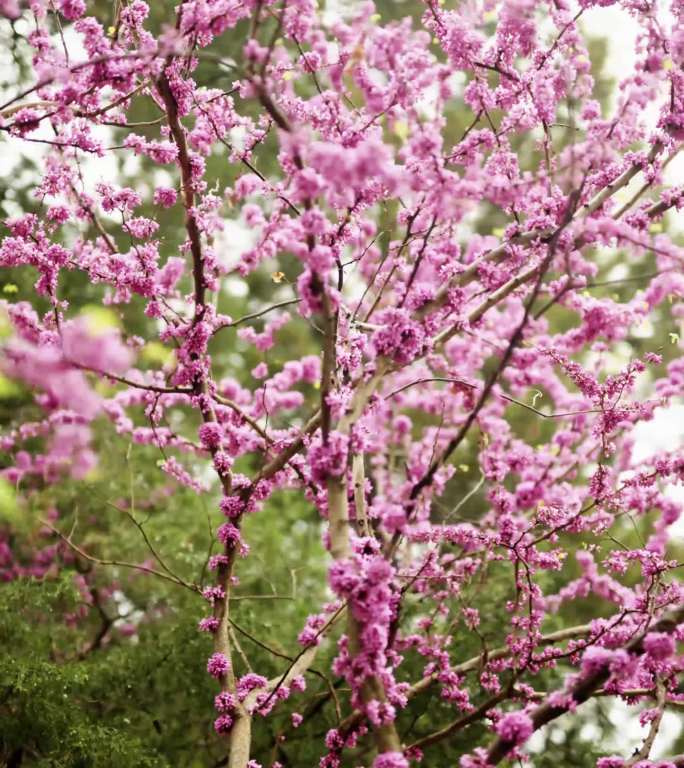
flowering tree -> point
(444, 383)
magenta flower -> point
(223, 724)
(515, 728)
(217, 665)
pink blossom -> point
(223, 724)
(659, 646)
(400, 338)
(218, 665)
(390, 760)
(210, 434)
(225, 702)
(515, 727)
(165, 196)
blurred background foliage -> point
(121, 680)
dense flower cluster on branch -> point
(431, 334)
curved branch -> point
(582, 689)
